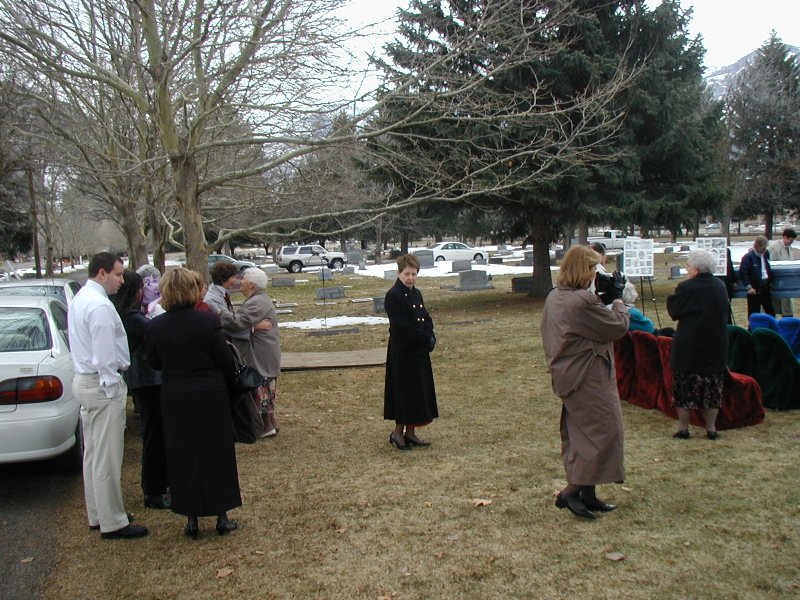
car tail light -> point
(25, 390)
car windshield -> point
(35, 290)
(23, 329)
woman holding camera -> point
(578, 331)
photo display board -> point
(638, 257)
(718, 247)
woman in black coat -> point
(144, 382)
(190, 349)
(700, 344)
(409, 393)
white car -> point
(454, 251)
(295, 258)
(62, 289)
(39, 415)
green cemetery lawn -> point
(331, 510)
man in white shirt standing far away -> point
(782, 250)
(100, 351)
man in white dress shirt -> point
(782, 250)
(100, 351)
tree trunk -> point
(184, 177)
(132, 230)
(37, 259)
(542, 279)
(404, 235)
(378, 239)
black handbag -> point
(246, 378)
(247, 422)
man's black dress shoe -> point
(575, 506)
(131, 517)
(712, 435)
(397, 444)
(129, 531)
(683, 434)
(157, 501)
(192, 529)
(416, 442)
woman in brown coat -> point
(578, 331)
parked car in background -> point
(241, 265)
(62, 289)
(295, 258)
(454, 251)
(39, 415)
(612, 239)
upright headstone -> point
(330, 293)
(354, 257)
(425, 258)
(674, 272)
(461, 265)
(362, 265)
(521, 284)
(325, 274)
(377, 304)
(495, 260)
(527, 259)
(473, 280)
(269, 269)
(349, 270)
(480, 261)
(392, 275)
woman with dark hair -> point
(197, 368)
(144, 382)
(409, 393)
(578, 332)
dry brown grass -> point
(331, 510)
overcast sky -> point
(730, 28)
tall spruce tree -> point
(764, 123)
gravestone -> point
(495, 260)
(330, 293)
(349, 270)
(501, 247)
(268, 269)
(527, 259)
(354, 256)
(473, 280)
(362, 265)
(674, 272)
(521, 284)
(480, 261)
(668, 250)
(377, 304)
(461, 265)
(282, 282)
(425, 258)
(325, 274)
(391, 275)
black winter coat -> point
(409, 392)
(140, 374)
(700, 344)
(196, 365)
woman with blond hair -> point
(578, 331)
(196, 368)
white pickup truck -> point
(612, 239)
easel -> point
(652, 296)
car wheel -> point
(478, 256)
(337, 263)
(72, 460)
(295, 266)
(438, 258)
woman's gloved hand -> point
(619, 285)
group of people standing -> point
(169, 348)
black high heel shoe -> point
(225, 525)
(416, 442)
(575, 505)
(159, 501)
(397, 444)
(192, 529)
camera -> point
(604, 287)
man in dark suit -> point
(755, 274)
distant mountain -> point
(721, 78)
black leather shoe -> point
(225, 525)
(158, 501)
(599, 505)
(683, 434)
(416, 442)
(397, 444)
(712, 435)
(575, 506)
(129, 531)
(192, 529)
(130, 516)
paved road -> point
(30, 495)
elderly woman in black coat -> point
(700, 344)
(409, 393)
